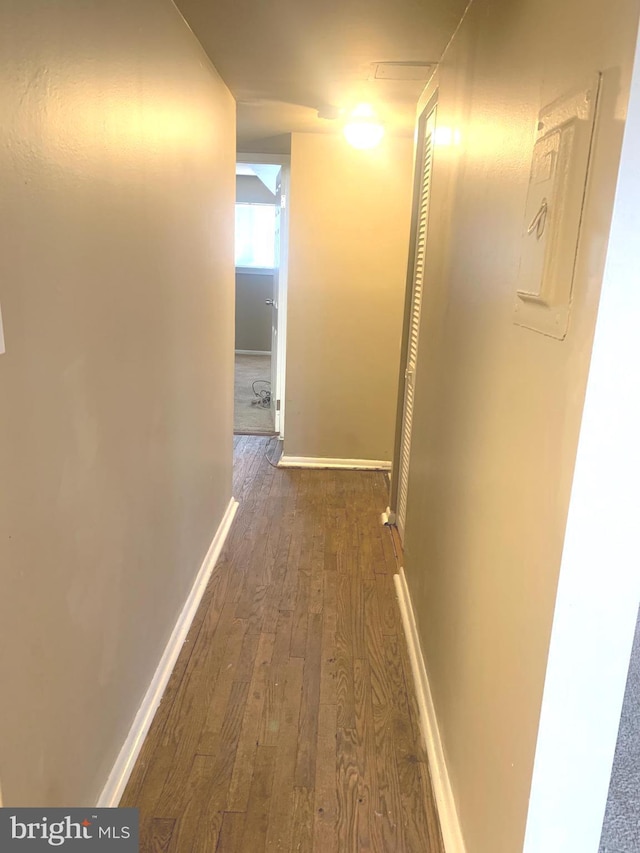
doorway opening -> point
(261, 253)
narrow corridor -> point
(289, 723)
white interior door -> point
(279, 306)
(425, 165)
(263, 165)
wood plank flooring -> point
(289, 723)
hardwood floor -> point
(289, 723)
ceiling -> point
(286, 59)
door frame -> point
(394, 488)
(278, 393)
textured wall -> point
(116, 283)
(349, 236)
(498, 407)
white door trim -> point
(283, 290)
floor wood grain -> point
(289, 723)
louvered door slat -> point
(414, 327)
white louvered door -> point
(414, 326)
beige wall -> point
(349, 225)
(596, 610)
(116, 285)
(253, 315)
(498, 406)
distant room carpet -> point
(621, 830)
(251, 419)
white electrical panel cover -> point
(553, 212)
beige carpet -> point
(249, 418)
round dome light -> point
(363, 130)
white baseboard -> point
(253, 352)
(121, 771)
(320, 462)
(449, 822)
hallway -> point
(289, 722)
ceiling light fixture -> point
(363, 129)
